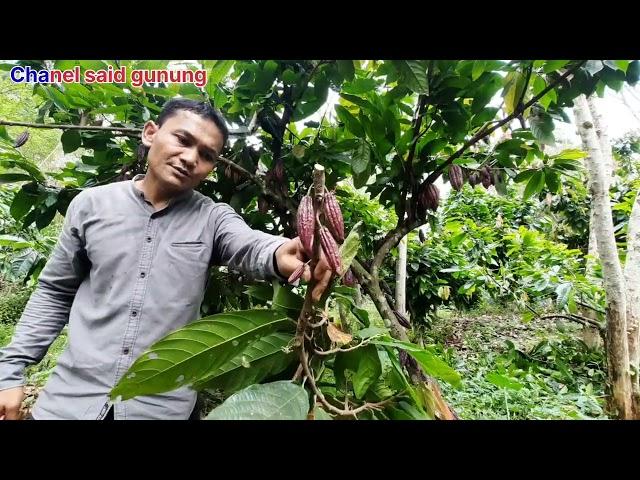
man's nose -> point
(190, 157)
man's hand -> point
(291, 255)
(10, 403)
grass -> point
(515, 370)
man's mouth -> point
(181, 171)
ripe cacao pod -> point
(330, 248)
(486, 177)
(297, 274)
(455, 177)
(429, 197)
(306, 222)
(333, 216)
(22, 139)
(402, 320)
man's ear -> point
(148, 132)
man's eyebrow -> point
(192, 138)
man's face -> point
(183, 151)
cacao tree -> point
(398, 127)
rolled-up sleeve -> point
(47, 311)
(240, 247)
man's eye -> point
(182, 140)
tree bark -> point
(614, 285)
(632, 278)
(401, 277)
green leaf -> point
(536, 182)
(192, 352)
(502, 381)
(413, 74)
(525, 175)
(14, 177)
(361, 157)
(71, 141)
(289, 77)
(346, 69)
(46, 217)
(14, 242)
(570, 154)
(22, 203)
(433, 365)
(285, 299)
(361, 102)
(260, 360)
(542, 128)
(359, 85)
(478, 69)
(261, 291)
(552, 179)
(633, 72)
(562, 291)
(283, 400)
(514, 83)
(351, 122)
(349, 248)
(365, 362)
(622, 65)
(436, 367)
(219, 71)
(553, 65)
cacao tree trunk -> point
(614, 285)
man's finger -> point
(306, 276)
(321, 286)
(13, 413)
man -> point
(130, 266)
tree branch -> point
(125, 131)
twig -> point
(577, 318)
(338, 411)
(337, 350)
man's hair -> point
(204, 109)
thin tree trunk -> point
(632, 278)
(401, 277)
(603, 138)
(614, 285)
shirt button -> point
(134, 313)
(148, 239)
(142, 274)
(125, 351)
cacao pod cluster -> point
(485, 176)
(329, 233)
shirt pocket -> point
(188, 265)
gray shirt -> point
(123, 275)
